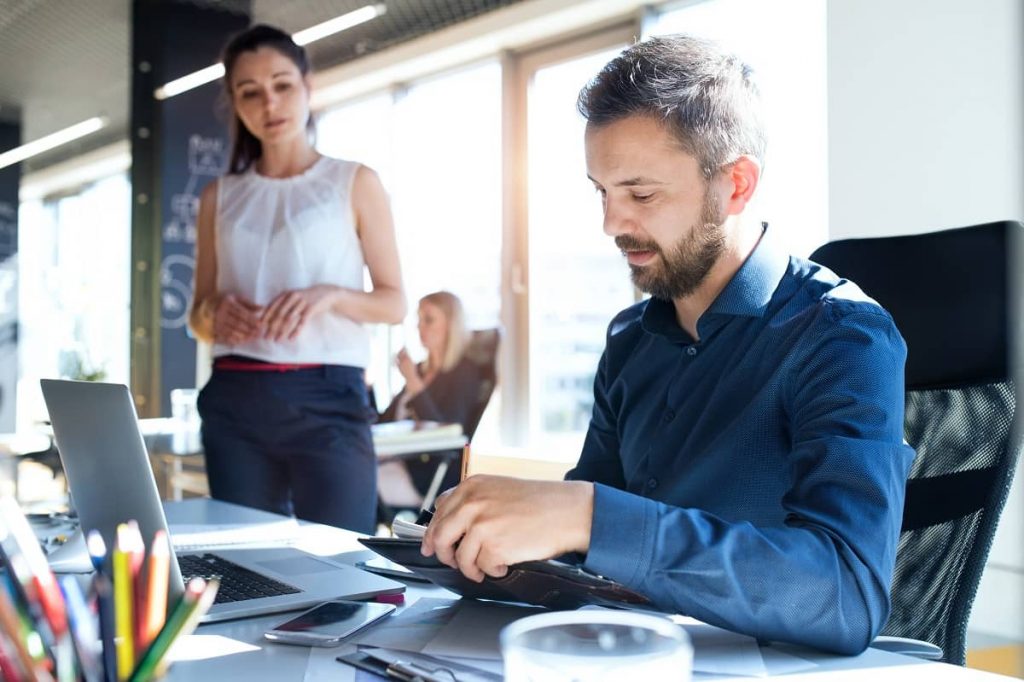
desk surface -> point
(237, 650)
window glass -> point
(74, 258)
(784, 40)
(578, 278)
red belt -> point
(239, 364)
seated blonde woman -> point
(445, 388)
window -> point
(578, 278)
(437, 146)
(784, 41)
(74, 285)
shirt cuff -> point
(622, 535)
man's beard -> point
(689, 260)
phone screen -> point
(335, 618)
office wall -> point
(926, 133)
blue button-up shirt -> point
(754, 479)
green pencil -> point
(183, 619)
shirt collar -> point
(748, 294)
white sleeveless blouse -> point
(278, 234)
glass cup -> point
(595, 646)
(186, 420)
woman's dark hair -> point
(706, 97)
(245, 147)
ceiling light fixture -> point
(303, 37)
(43, 144)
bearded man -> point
(745, 461)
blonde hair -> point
(458, 336)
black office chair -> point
(950, 294)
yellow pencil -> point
(124, 604)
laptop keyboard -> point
(237, 583)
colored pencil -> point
(97, 550)
(108, 625)
(182, 620)
(83, 628)
(154, 611)
(124, 603)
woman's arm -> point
(212, 316)
(376, 229)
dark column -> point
(10, 179)
(178, 146)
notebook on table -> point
(554, 584)
(111, 481)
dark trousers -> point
(292, 442)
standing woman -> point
(283, 238)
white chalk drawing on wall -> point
(205, 158)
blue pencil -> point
(105, 605)
(83, 628)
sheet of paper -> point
(407, 529)
(413, 628)
(778, 662)
(189, 537)
(473, 631)
(721, 652)
(322, 666)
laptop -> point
(111, 481)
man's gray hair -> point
(706, 97)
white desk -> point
(172, 448)
(236, 650)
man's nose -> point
(617, 219)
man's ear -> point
(740, 179)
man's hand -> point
(497, 521)
(235, 320)
(289, 312)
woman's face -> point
(269, 95)
(433, 328)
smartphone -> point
(386, 567)
(329, 623)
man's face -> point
(657, 205)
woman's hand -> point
(235, 320)
(413, 382)
(288, 313)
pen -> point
(411, 672)
(465, 463)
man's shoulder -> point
(628, 320)
(822, 290)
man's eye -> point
(643, 198)
(249, 94)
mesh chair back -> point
(949, 294)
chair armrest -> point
(917, 648)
